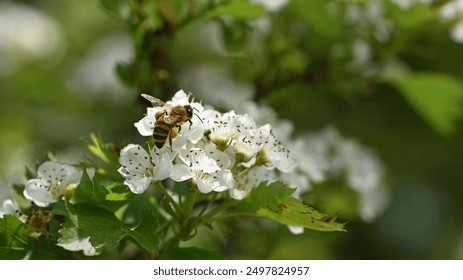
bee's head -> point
(189, 110)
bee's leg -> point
(172, 134)
(191, 123)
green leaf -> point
(90, 229)
(436, 97)
(238, 9)
(145, 232)
(13, 238)
(274, 202)
(110, 197)
(191, 254)
(118, 194)
(89, 192)
(106, 152)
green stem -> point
(244, 172)
(174, 204)
(208, 218)
(207, 206)
(169, 243)
(190, 199)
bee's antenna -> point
(198, 115)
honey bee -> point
(168, 121)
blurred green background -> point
(388, 75)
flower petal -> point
(72, 178)
(197, 134)
(180, 172)
(225, 180)
(296, 230)
(206, 164)
(285, 165)
(163, 168)
(204, 186)
(134, 158)
(36, 190)
(138, 184)
(145, 126)
(239, 194)
(52, 172)
(180, 98)
(8, 207)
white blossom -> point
(326, 154)
(188, 132)
(453, 11)
(223, 127)
(204, 170)
(237, 153)
(263, 115)
(252, 179)
(55, 181)
(9, 207)
(249, 139)
(140, 168)
(276, 155)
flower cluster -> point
(323, 155)
(216, 151)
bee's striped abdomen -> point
(160, 133)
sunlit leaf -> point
(111, 197)
(274, 202)
(436, 97)
(103, 151)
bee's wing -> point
(156, 102)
